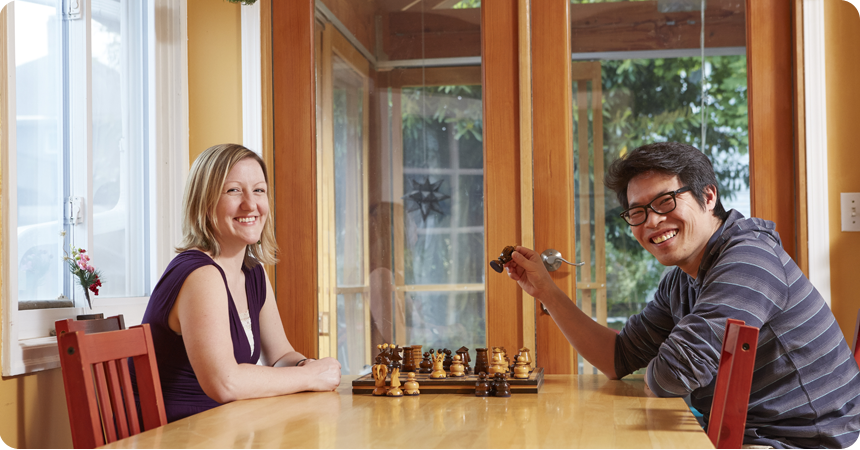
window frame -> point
(27, 345)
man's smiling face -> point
(678, 238)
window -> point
(80, 141)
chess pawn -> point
(410, 388)
(438, 370)
(482, 362)
(426, 365)
(482, 386)
(457, 369)
(448, 360)
(379, 372)
(394, 390)
(492, 379)
(503, 389)
(521, 370)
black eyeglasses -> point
(662, 204)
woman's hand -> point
(527, 269)
(326, 373)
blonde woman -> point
(213, 313)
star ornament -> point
(426, 197)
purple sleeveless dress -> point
(182, 393)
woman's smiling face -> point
(679, 237)
(243, 207)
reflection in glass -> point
(39, 153)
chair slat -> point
(90, 326)
(108, 419)
(125, 380)
(116, 398)
(98, 386)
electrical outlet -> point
(850, 211)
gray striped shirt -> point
(806, 385)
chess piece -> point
(379, 372)
(383, 353)
(394, 390)
(394, 356)
(482, 362)
(521, 370)
(438, 370)
(448, 360)
(491, 379)
(497, 366)
(464, 358)
(408, 360)
(457, 369)
(410, 388)
(503, 389)
(499, 264)
(482, 386)
(525, 352)
(426, 365)
(416, 356)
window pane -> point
(39, 153)
(649, 86)
(446, 320)
(118, 71)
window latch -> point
(75, 210)
(73, 9)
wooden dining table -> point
(569, 411)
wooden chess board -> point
(463, 385)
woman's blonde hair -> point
(202, 192)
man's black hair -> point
(690, 165)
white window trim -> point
(252, 84)
(26, 344)
(814, 75)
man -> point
(806, 385)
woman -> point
(215, 297)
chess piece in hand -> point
(504, 258)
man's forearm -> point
(595, 342)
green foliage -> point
(466, 4)
(458, 106)
(244, 2)
(647, 101)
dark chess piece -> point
(383, 353)
(446, 364)
(464, 358)
(503, 388)
(492, 380)
(499, 264)
(408, 360)
(482, 386)
(426, 366)
(394, 356)
(482, 362)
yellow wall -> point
(33, 410)
(214, 74)
(842, 48)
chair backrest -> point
(90, 326)
(732, 391)
(98, 387)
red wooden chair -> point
(89, 326)
(732, 391)
(98, 388)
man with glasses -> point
(806, 385)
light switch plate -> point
(850, 211)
